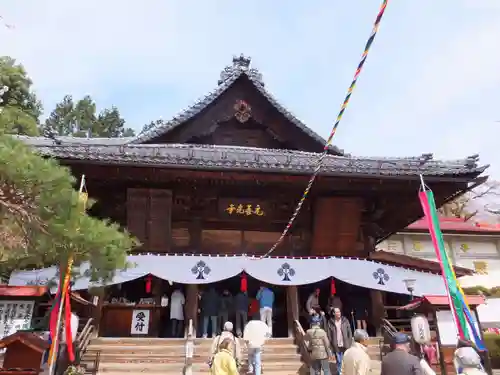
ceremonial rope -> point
(319, 162)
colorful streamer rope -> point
(319, 163)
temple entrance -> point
(356, 302)
(233, 287)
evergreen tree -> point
(41, 217)
(20, 109)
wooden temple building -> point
(220, 182)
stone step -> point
(177, 349)
(197, 367)
(159, 358)
(162, 341)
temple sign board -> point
(140, 322)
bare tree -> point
(482, 202)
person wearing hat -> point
(227, 333)
(318, 347)
(467, 361)
(400, 361)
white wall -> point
(481, 253)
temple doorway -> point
(233, 287)
(356, 301)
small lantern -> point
(410, 286)
(333, 288)
(420, 330)
(149, 282)
(244, 282)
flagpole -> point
(55, 340)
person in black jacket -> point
(225, 307)
(241, 307)
(210, 311)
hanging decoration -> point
(244, 282)
(149, 281)
(205, 269)
(333, 289)
(460, 310)
(319, 162)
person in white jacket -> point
(177, 302)
(356, 360)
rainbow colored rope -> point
(319, 164)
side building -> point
(469, 244)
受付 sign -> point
(140, 322)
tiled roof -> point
(229, 75)
(448, 224)
(213, 157)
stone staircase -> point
(167, 356)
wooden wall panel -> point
(335, 226)
(137, 214)
(149, 216)
(160, 220)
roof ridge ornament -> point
(241, 64)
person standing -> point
(241, 305)
(227, 334)
(468, 362)
(400, 361)
(265, 296)
(210, 311)
(223, 362)
(255, 335)
(340, 335)
(177, 302)
(313, 302)
(318, 346)
(356, 360)
(226, 306)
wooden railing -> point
(189, 345)
(301, 342)
(83, 341)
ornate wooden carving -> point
(242, 111)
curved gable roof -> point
(239, 68)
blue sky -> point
(431, 82)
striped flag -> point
(461, 312)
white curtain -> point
(288, 271)
(195, 269)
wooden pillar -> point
(191, 307)
(292, 308)
(97, 311)
(378, 309)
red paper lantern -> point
(243, 284)
(149, 281)
(333, 289)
